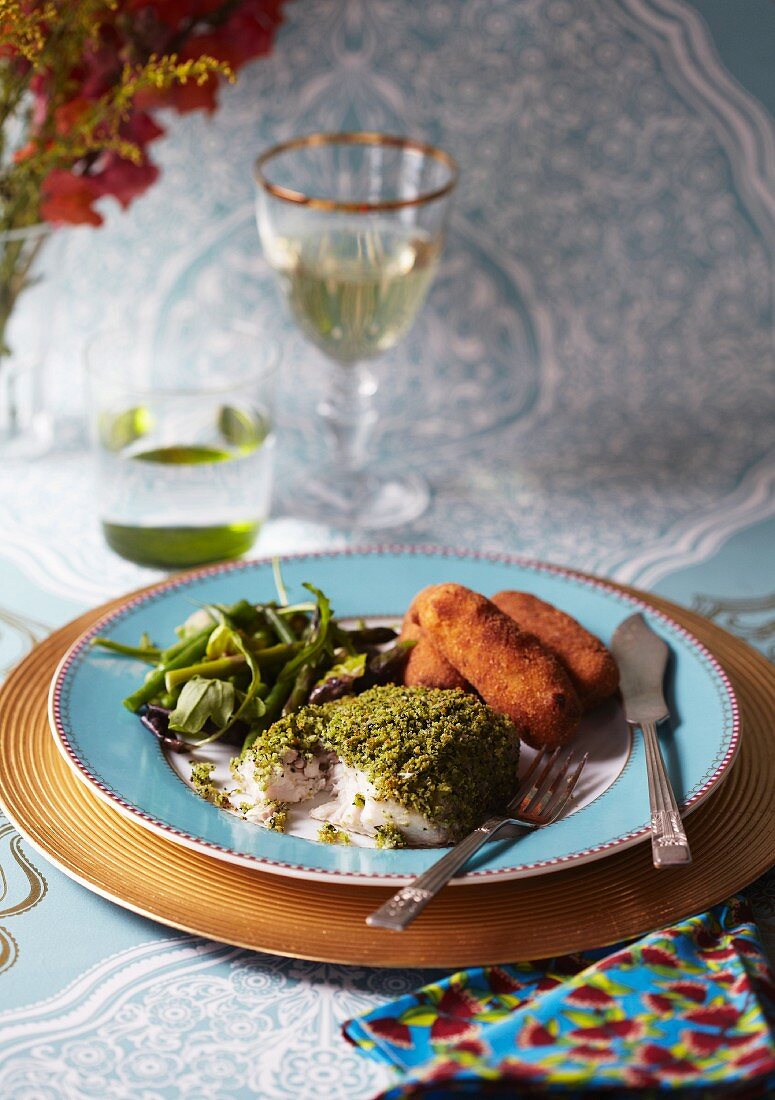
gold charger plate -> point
(732, 837)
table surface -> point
(591, 383)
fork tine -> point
(546, 792)
(561, 799)
(548, 761)
(524, 784)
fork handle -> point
(406, 903)
(669, 846)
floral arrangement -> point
(80, 84)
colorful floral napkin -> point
(688, 1011)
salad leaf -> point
(339, 680)
(349, 669)
(200, 700)
(221, 643)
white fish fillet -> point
(346, 784)
(302, 779)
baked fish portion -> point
(404, 765)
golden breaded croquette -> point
(509, 668)
(591, 667)
(425, 665)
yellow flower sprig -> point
(24, 29)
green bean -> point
(174, 651)
(305, 678)
(193, 651)
(281, 629)
(274, 703)
(210, 670)
(277, 655)
(151, 654)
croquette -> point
(508, 667)
(591, 667)
(426, 666)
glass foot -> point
(368, 502)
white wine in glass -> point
(353, 224)
(355, 289)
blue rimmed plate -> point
(110, 750)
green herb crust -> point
(278, 820)
(203, 785)
(443, 754)
(329, 834)
(389, 836)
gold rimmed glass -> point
(353, 224)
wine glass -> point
(353, 224)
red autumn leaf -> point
(590, 997)
(390, 1029)
(100, 68)
(533, 1034)
(173, 12)
(124, 180)
(459, 1002)
(690, 991)
(657, 956)
(244, 36)
(141, 128)
(183, 98)
(714, 1016)
(25, 151)
(68, 199)
(66, 116)
(447, 1029)
(658, 1003)
(500, 981)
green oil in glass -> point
(192, 483)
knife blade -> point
(642, 656)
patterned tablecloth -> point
(591, 383)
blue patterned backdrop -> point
(591, 382)
(596, 356)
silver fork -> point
(541, 797)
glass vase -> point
(26, 313)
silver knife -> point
(642, 658)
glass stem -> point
(349, 415)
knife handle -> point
(669, 845)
